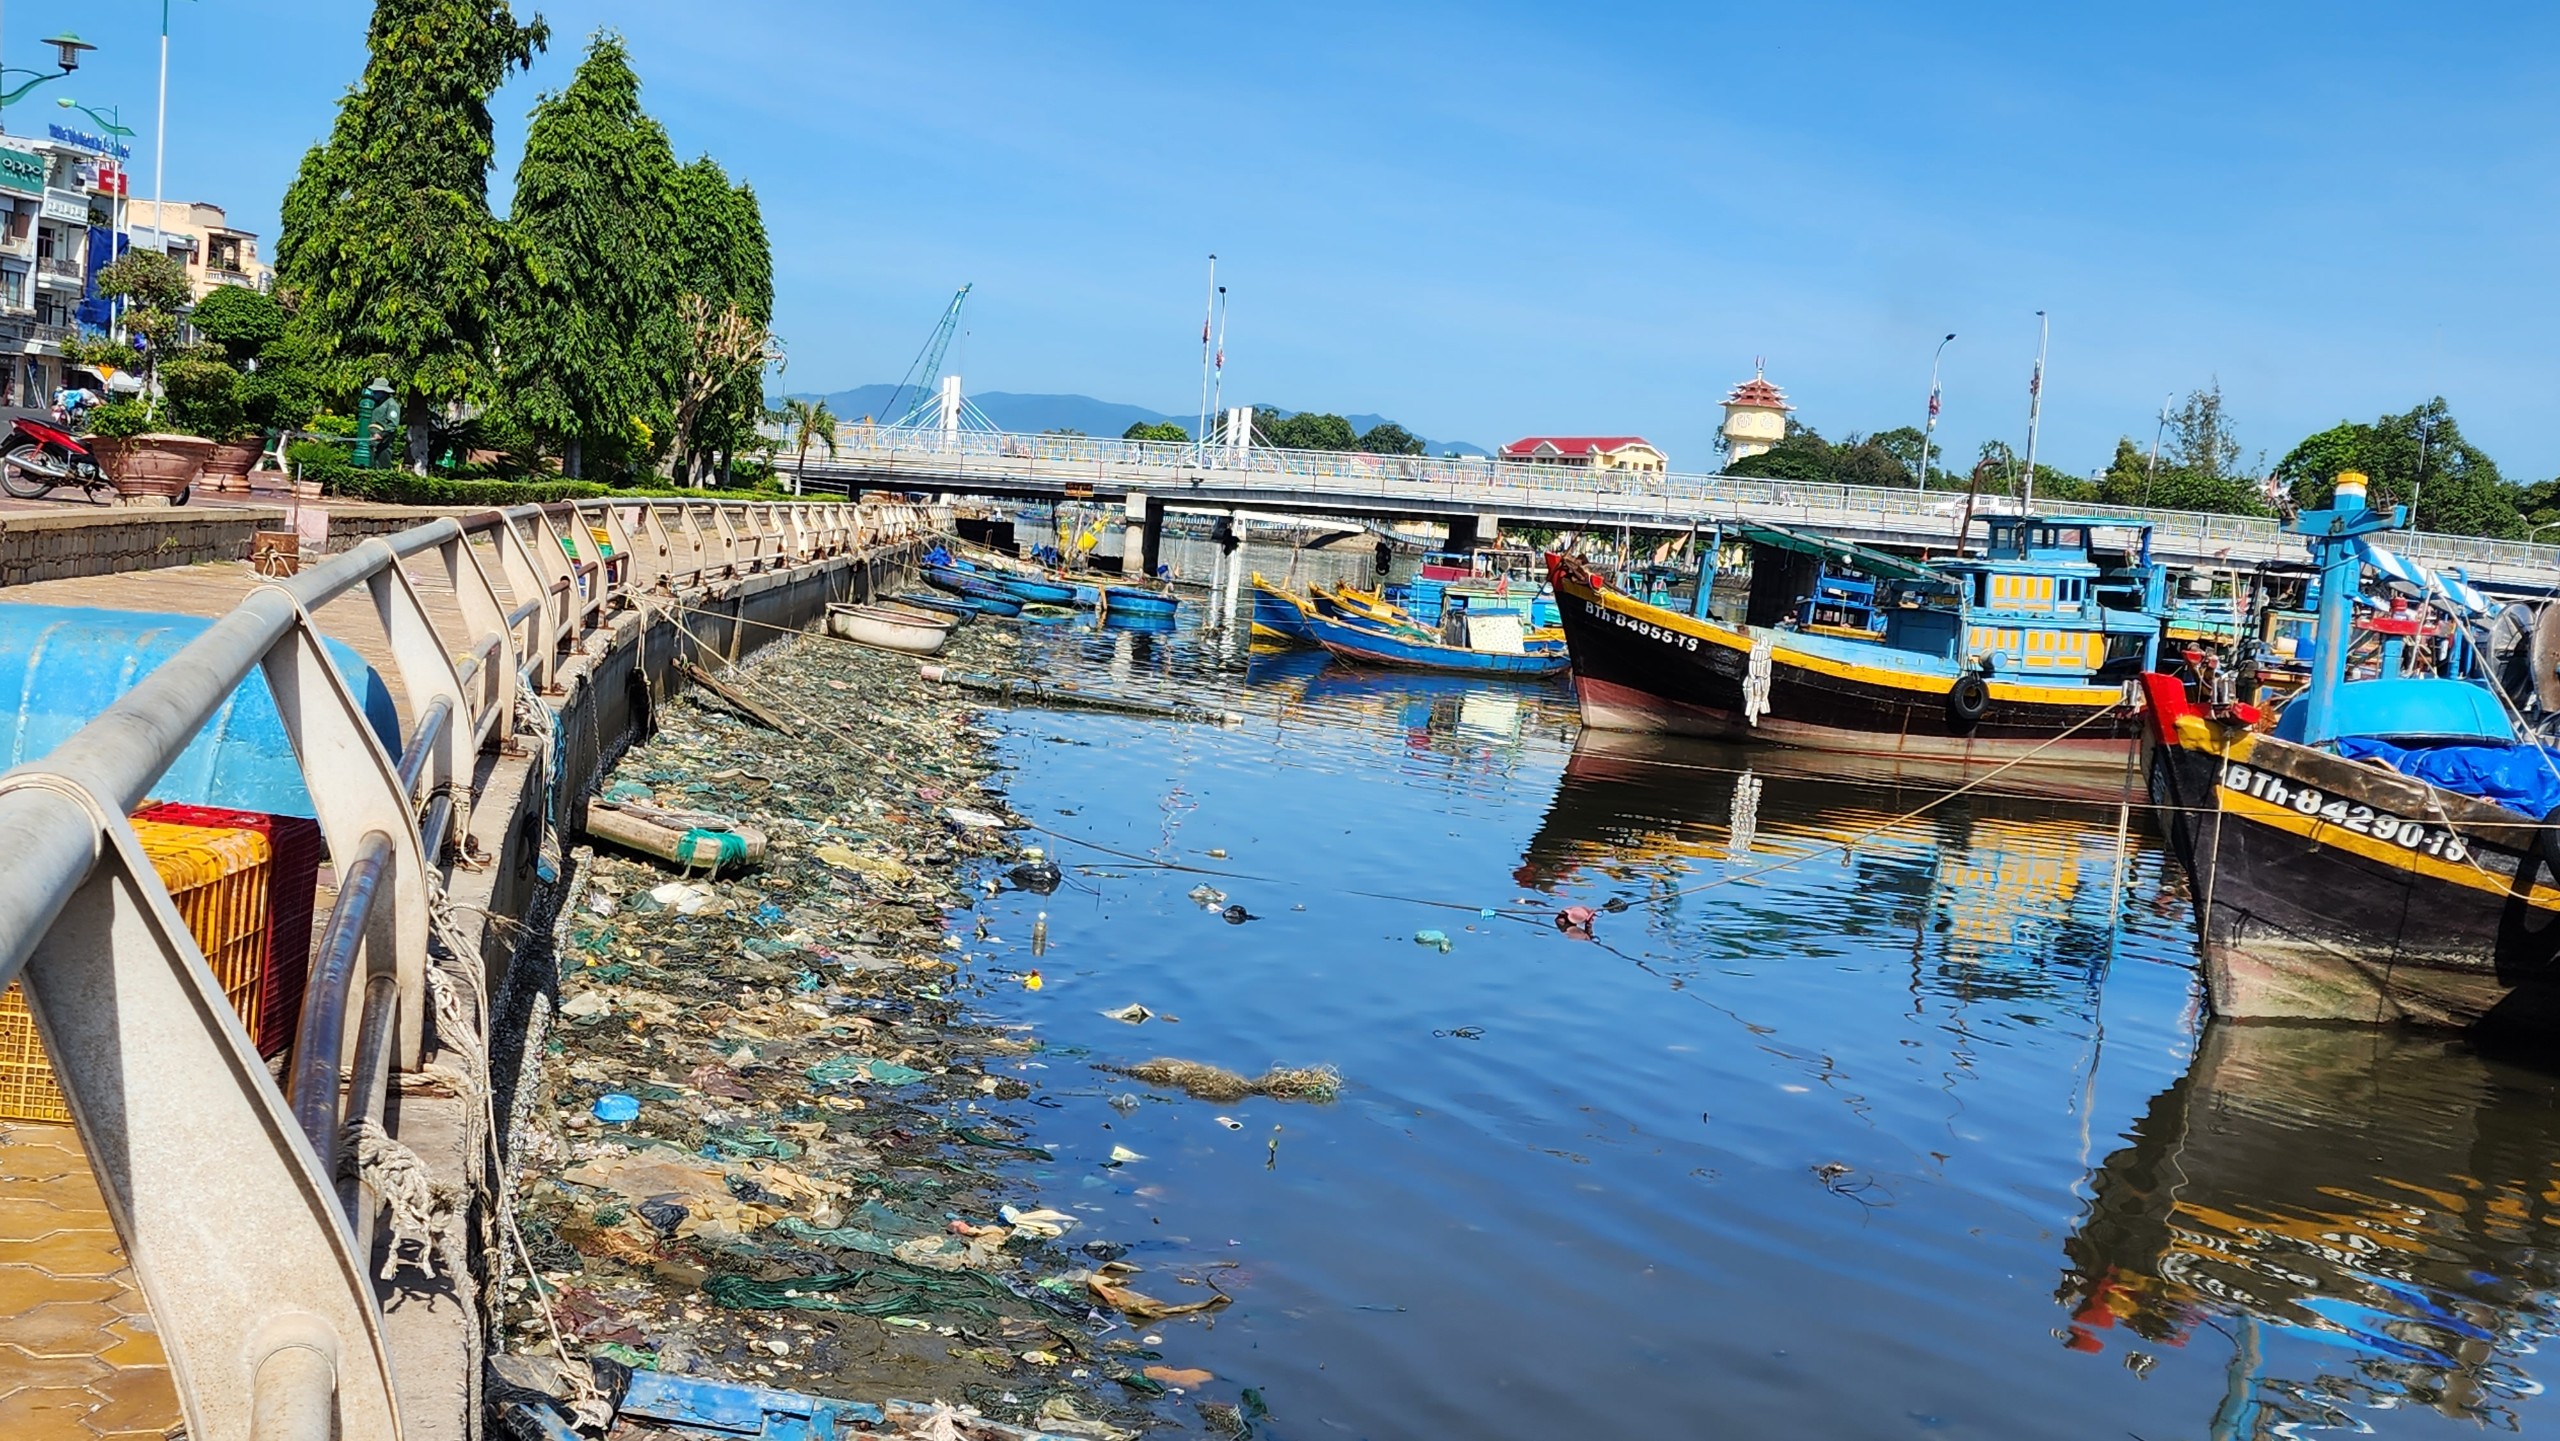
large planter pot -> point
(166, 466)
(227, 470)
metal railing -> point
(253, 1255)
(1517, 487)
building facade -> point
(1629, 455)
(201, 235)
(1755, 418)
(64, 216)
(59, 231)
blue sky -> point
(1492, 219)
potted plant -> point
(153, 461)
(141, 461)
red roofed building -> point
(1591, 452)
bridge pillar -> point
(1466, 532)
(1141, 535)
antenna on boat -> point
(2035, 412)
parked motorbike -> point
(38, 459)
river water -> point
(1852, 1123)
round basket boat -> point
(898, 630)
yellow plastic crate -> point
(219, 880)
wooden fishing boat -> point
(1279, 615)
(1351, 602)
(899, 630)
(2388, 851)
(1495, 651)
(1138, 600)
(2011, 656)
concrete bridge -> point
(1473, 495)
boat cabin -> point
(2045, 598)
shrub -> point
(120, 418)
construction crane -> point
(920, 377)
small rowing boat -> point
(1039, 614)
(1137, 600)
(1482, 645)
(958, 611)
(969, 585)
(898, 630)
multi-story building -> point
(64, 216)
(58, 198)
(202, 236)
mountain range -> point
(1105, 418)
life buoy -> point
(1968, 698)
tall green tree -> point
(1155, 430)
(591, 304)
(2418, 457)
(2201, 439)
(721, 254)
(387, 237)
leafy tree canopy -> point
(1389, 438)
(591, 314)
(1155, 430)
(2419, 453)
(1308, 430)
(387, 238)
(242, 321)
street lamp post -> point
(1930, 428)
(67, 48)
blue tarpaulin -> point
(2525, 779)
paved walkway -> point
(79, 1358)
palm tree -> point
(814, 423)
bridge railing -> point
(1674, 498)
(254, 1255)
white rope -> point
(425, 1217)
(1755, 680)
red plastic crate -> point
(296, 851)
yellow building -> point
(1755, 418)
(1627, 454)
(201, 235)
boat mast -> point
(2035, 412)
(2333, 533)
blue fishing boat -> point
(1137, 600)
(2016, 654)
(940, 604)
(1033, 592)
(2388, 850)
(1281, 616)
(1481, 645)
(970, 584)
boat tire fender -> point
(2547, 841)
(1968, 698)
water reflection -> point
(2362, 1218)
(2005, 894)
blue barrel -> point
(60, 666)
